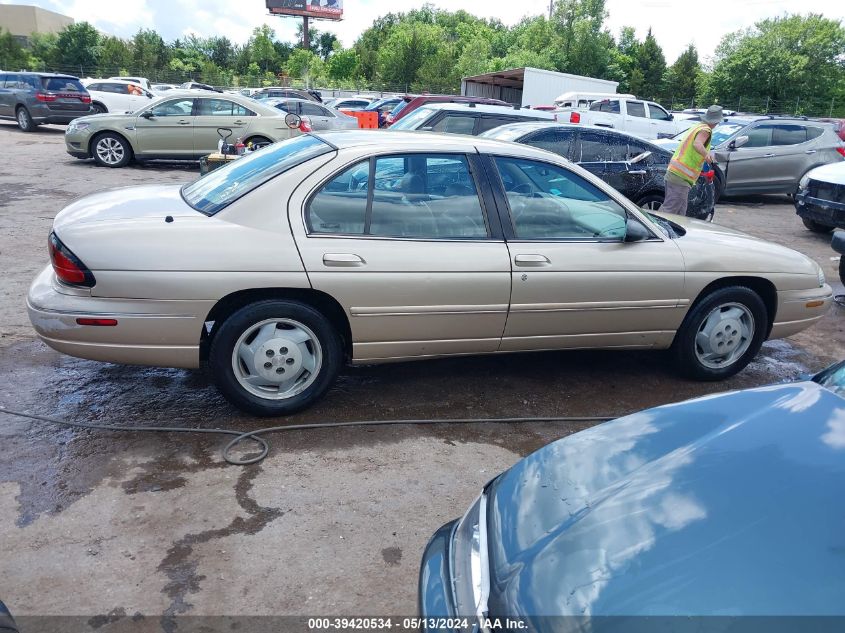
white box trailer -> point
(532, 86)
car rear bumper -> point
(435, 584)
(148, 332)
(58, 118)
(799, 309)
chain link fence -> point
(791, 106)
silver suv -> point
(35, 98)
(768, 154)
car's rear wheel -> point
(111, 150)
(815, 227)
(721, 333)
(24, 118)
(259, 140)
(651, 202)
(275, 357)
(99, 108)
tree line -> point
(792, 60)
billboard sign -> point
(326, 9)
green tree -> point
(652, 65)
(326, 44)
(12, 54)
(682, 77)
(406, 49)
(343, 64)
(304, 64)
(77, 46)
(113, 54)
(261, 48)
(221, 51)
(149, 52)
(42, 50)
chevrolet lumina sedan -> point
(377, 246)
(728, 505)
(183, 125)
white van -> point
(584, 99)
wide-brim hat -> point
(713, 115)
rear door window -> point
(606, 105)
(596, 147)
(636, 108)
(312, 109)
(789, 134)
(557, 141)
(455, 124)
(760, 136)
(488, 123)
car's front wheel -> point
(25, 122)
(816, 227)
(721, 333)
(111, 150)
(651, 202)
(275, 357)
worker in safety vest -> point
(687, 161)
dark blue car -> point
(729, 505)
(7, 622)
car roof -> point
(115, 81)
(62, 75)
(511, 131)
(483, 107)
(401, 141)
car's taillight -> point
(85, 98)
(46, 96)
(575, 117)
(841, 151)
(67, 266)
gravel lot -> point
(333, 521)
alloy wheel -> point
(110, 150)
(651, 205)
(277, 358)
(724, 335)
(23, 119)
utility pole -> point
(306, 40)
(551, 6)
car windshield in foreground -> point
(833, 378)
(221, 187)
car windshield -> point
(833, 378)
(413, 120)
(219, 188)
(399, 107)
(721, 133)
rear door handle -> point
(531, 260)
(810, 151)
(343, 259)
(768, 156)
(238, 123)
(638, 172)
(184, 122)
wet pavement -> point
(109, 525)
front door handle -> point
(343, 259)
(238, 123)
(183, 122)
(810, 151)
(638, 172)
(531, 260)
(768, 156)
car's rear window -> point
(62, 84)
(221, 187)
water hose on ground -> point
(264, 446)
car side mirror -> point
(738, 142)
(635, 232)
(146, 114)
(639, 158)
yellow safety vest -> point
(686, 162)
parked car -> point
(116, 95)
(838, 126)
(727, 505)
(410, 103)
(645, 119)
(633, 166)
(480, 247)
(33, 99)
(159, 88)
(349, 103)
(820, 202)
(180, 125)
(767, 154)
(471, 118)
(318, 116)
(838, 244)
(383, 107)
(141, 81)
(284, 93)
(195, 85)
(7, 622)
(583, 100)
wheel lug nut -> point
(268, 365)
(280, 370)
(289, 361)
(270, 352)
(284, 350)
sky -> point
(236, 18)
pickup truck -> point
(645, 119)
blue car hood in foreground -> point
(726, 505)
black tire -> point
(815, 227)
(842, 269)
(685, 348)
(651, 202)
(120, 150)
(718, 184)
(99, 108)
(221, 360)
(258, 140)
(24, 118)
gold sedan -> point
(377, 246)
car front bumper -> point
(76, 143)
(826, 212)
(148, 332)
(435, 584)
(799, 309)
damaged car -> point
(820, 201)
